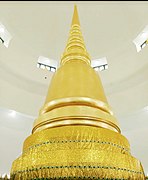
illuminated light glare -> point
(96, 69)
(38, 65)
(101, 68)
(42, 66)
(144, 34)
(146, 108)
(52, 70)
(12, 113)
(48, 68)
(2, 30)
(3, 175)
(106, 66)
(5, 35)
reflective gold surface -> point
(81, 113)
(67, 121)
(76, 86)
(75, 90)
(78, 152)
(76, 134)
(76, 101)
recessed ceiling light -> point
(96, 69)
(42, 66)
(101, 68)
(38, 65)
(48, 68)
(106, 66)
(52, 69)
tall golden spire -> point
(76, 135)
(75, 19)
(75, 48)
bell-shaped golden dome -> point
(75, 94)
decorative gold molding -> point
(76, 120)
(85, 101)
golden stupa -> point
(76, 135)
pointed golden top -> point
(75, 19)
(75, 48)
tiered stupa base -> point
(76, 152)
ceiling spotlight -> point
(96, 68)
(5, 36)
(38, 65)
(52, 69)
(101, 68)
(48, 68)
(42, 66)
(99, 64)
(106, 66)
(142, 39)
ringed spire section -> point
(75, 48)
